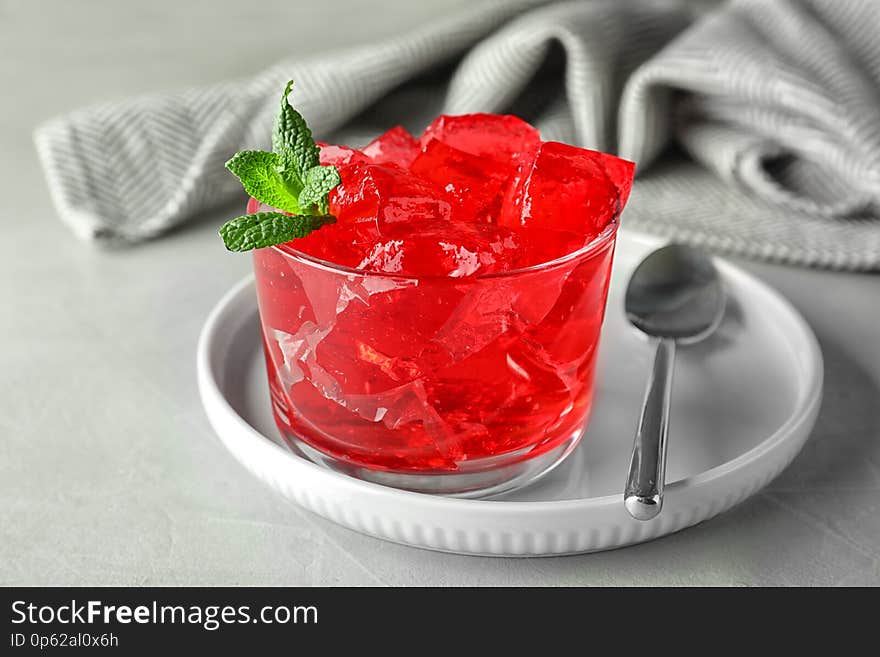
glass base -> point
(477, 482)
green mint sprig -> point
(290, 178)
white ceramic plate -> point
(744, 401)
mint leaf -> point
(319, 181)
(290, 179)
(293, 142)
(260, 176)
(256, 231)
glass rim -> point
(601, 239)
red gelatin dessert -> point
(442, 335)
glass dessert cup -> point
(464, 386)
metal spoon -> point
(675, 295)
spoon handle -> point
(643, 496)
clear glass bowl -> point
(460, 386)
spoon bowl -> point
(675, 293)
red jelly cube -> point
(339, 155)
(384, 195)
(340, 244)
(503, 138)
(396, 146)
(474, 185)
(444, 249)
(568, 189)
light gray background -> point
(109, 472)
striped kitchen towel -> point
(755, 126)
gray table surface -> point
(109, 472)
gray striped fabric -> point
(755, 127)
